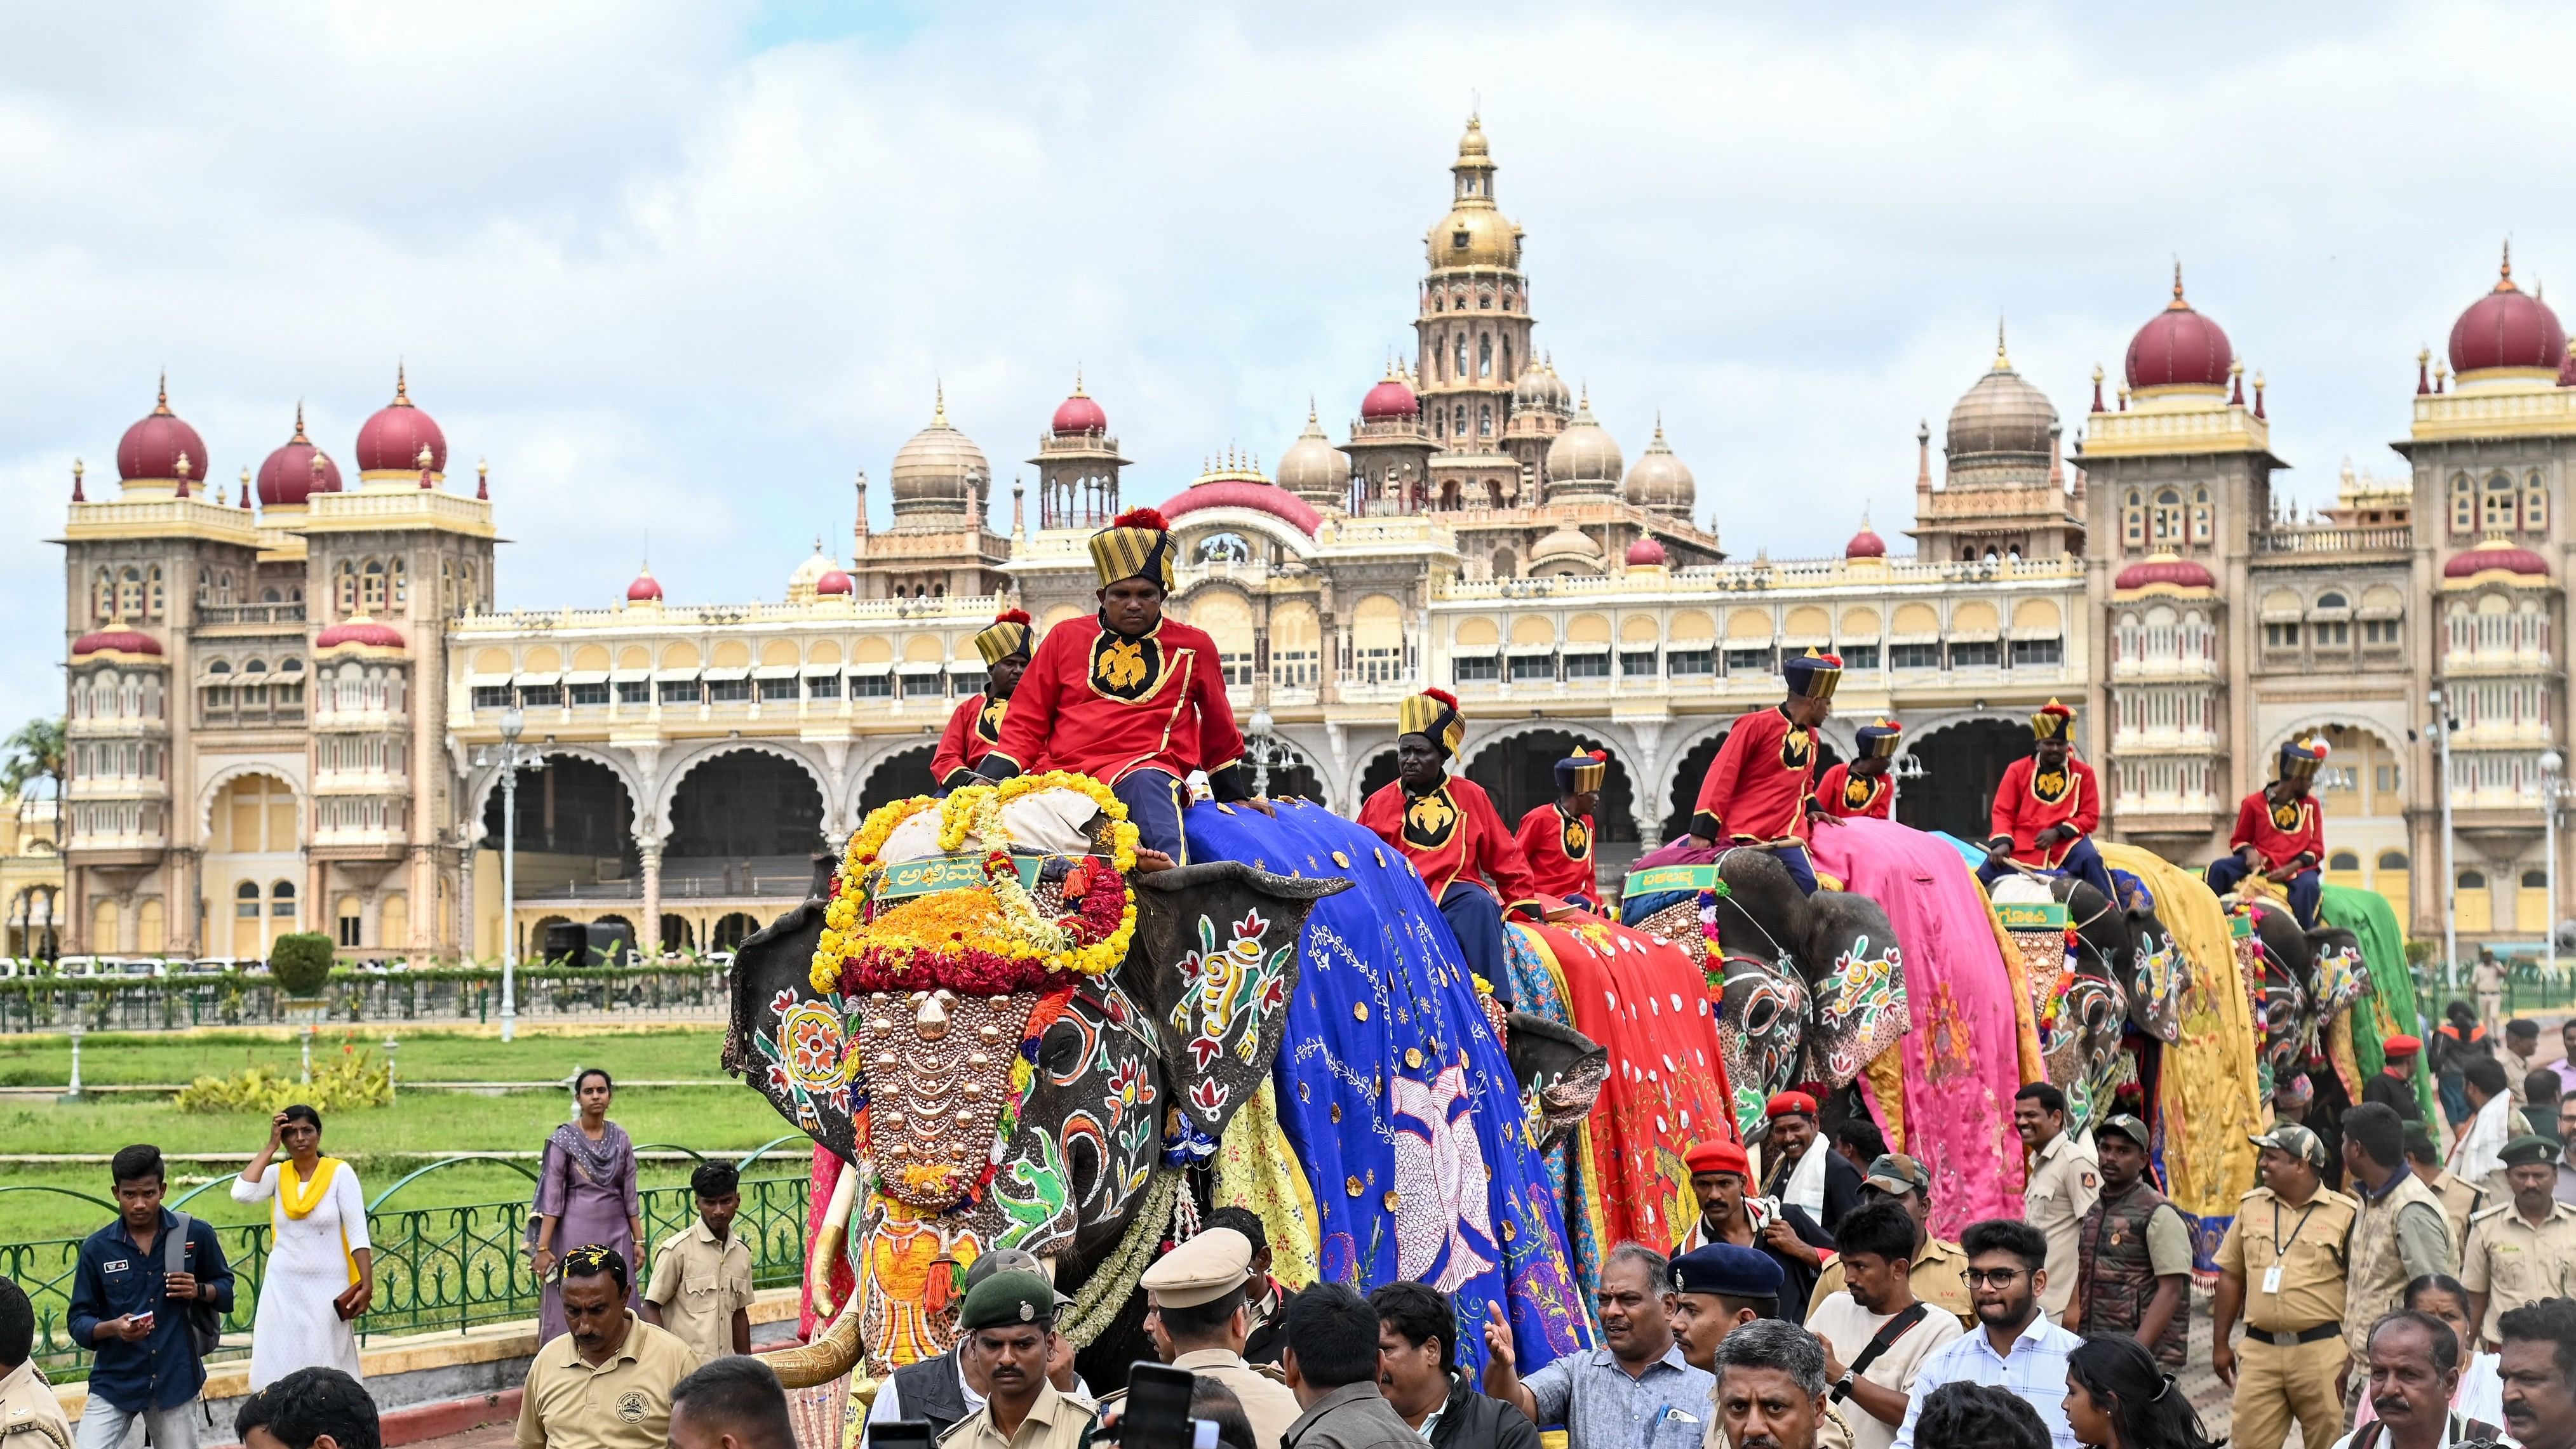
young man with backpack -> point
(148, 1294)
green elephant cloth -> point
(2369, 917)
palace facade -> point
(288, 716)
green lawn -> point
(427, 1054)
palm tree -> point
(35, 752)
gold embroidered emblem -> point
(1797, 747)
(1127, 669)
(1578, 841)
(988, 722)
(1429, 821)
(2285, 818)
(2051, 785)
(1858, 791)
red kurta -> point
(2028, 801)
(1451, 834)
(1757, 787)
(972, 729)
(1845, 794)
(1106, 705)
(1558, 848)
(2280, 833)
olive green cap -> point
(1008, 1298)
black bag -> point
(205, 1320)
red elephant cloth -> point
(1646, 1002)
(1962, 1059)
(1846, 795)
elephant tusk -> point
(829, 1238)
(834, 1352)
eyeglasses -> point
(1991, 1277)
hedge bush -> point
(301, 962)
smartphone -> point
(901, 1434)
(1158, 1408)
(144, 1319)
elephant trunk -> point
(834, 1352)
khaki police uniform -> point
(2399, 1236)
(30, 1416)
(2460, 1199)
(699, 1283)
(1201, 1271)
(2514, 1261)
(624, 1403)
(2293, 1347)
(1053, 1422)
(2064, 1184)
(1934, 1278)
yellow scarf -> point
(297, 1199)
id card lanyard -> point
(2280, 1249)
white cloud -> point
(667, 281)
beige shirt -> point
(1848, 1327)
(1053, 1422)
(624, 1403)
(1271, 1405)
(2307, 1243)
(1934, 1278)
(2460, 1202)
(30, 1416)
(699, 1284)
(2514, 1262)
(2064, 1184)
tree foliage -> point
(301, 962)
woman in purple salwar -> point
(585, 1195)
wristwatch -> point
(1842, 1386)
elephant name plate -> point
(2031, 915)
(2240, 924)
(946, 873)
(1673, 878)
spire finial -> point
(1077, 381)
(482, 479)
(402, 385)
(2504, 269)
(2177, 296)
(161, 402)
(1659, 425)
(1311, 420)
(938, 402)
(299, 423)
(2003, 363)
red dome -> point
(646, 587)
(2495, 553)
(1390, 399)
(2179, 348)
(2182, 573)
(832, 582)
(391, 440)
(151, 449)
(360, 633)
(115, 641)
(1078, 414)
(1267, 498)
(2508, 327)
(1865, 544)
(287, 478)
(1646, 552)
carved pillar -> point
(648, 931)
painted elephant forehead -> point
(1402, 1109)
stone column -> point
(466, 945)
(648, 931)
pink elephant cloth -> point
(1960, 1073)
(1678, 851)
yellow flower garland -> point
(976, 810)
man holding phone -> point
(134, 1311)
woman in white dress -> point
(321, 1269)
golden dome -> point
(1570, 546)
(939, 470)
(1473, 234)
(2002, 429)
(1313, 468)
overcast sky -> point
(678, 272)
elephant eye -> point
(1061, 1052)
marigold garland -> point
(984, 939)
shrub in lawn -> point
(353, 1079)
(301, 962)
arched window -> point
(102, 597)
(2464, 506)
(1507, 357)
(1462, 357)
(281, 899)
(2343, 860)
(2203, 525)
(1485, 354)
(1485, 420)
(371, 587)
(129, 594)
(156, 596)
(347, 587)
(246, 900)
(2535, 505)
(2168, 517)
(2392, 860)
(2332, 600)
(2500, 504)
(1461, 415)
(2471, 880)
(1505, 565)
(402, 584)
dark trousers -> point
(2082, 862)
(1155, 803)
(2307, 889)
(1477, 921)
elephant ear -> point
(1860, 1008)
(1561, 1072)
(783, 1037)
(1214, 964)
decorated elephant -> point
(1070, 1104)
(2303, 979)
(1812, 987)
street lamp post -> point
(512, 760)
(2450, 877)
(2551, 762)
(1264, 749)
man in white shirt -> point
(2414, 1369)
(1875, 1331)
(2478, 1157)
(2014, 1346)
